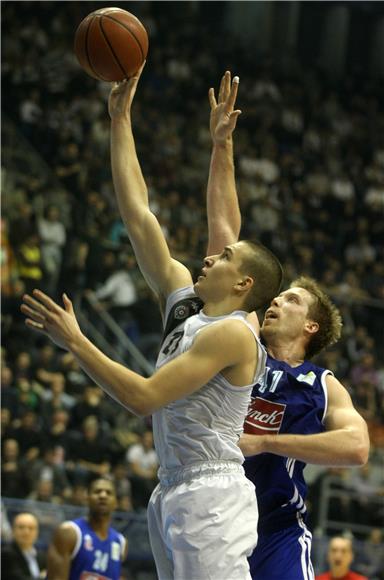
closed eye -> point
(293, 299)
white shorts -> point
(205, 526)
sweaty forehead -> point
(300, 292)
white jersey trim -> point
(123, 542)
(305, 542)
(324, 385)
(79, 537)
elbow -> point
(360, 454)
(142, 408)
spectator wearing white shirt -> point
(53, 237)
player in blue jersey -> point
(89, 548)
(300, 413)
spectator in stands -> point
(28, 435)
(43, 491)
(45, 364)
(143, 465)
(56, 397)
(56, 430)
(89, 404)
(340, 558)
(118, 293)
(14, 482)
(8, 391)
(368, 484)
(79, 495)
(371, 558)
(20, 560)
(90, 453)
(52, 238)
(29, 260)
(50, 467)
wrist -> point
(223, 143)
(76, 343)
(121, 120)
(267, 443)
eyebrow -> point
(289, 293)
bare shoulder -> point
(338, 395)
(230, 335)
(65, 536)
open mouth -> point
(270, 314)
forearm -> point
(341, 447)
(224, 219)
(128, 180)
(126, 387)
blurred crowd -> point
(310, 172)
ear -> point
(244, 284)
(311, 327)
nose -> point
(208, 261)
(275, 301)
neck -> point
(290, 353)
(339, 573)
(221, 308)
(100, 524)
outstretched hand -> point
(121, 96)
(223, 117)
(45, 316)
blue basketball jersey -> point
(93, 558)
(286, 400)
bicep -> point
(341, 413)
(214, 350)
(162, 273)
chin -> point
(196, 289)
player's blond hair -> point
(324, 312)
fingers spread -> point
(221, 90)
(36, 306)
(233, 93)
(47, 301)
(227, 84)
(35, 325)
(212, 99)
(32, 313)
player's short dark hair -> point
(92, 480)
(263, 266)
(322, 311)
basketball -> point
(111, 44)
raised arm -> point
(227, 346)
(345, 441)
(162, 273)
(224, 220)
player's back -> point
(286, 400)
(93, 557)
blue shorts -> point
(283, 555)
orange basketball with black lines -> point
(111, 44)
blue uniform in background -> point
(93, 558)
(287, 400)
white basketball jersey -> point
(206, 425)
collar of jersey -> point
(212, 318)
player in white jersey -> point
(199, 514)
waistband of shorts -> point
(169, 477)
